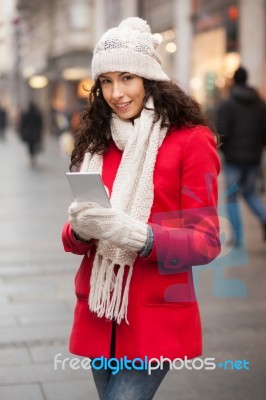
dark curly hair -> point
(170, 102)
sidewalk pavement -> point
(37, 296)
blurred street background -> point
(46, 48)
(45, 55)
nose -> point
(117, 92)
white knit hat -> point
(128, 48)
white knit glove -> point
(89, 220)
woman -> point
(158, 160)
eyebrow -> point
(105, 76)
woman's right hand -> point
(74, 212)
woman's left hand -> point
(90, 220)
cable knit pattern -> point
(132, 193)
(115, 226)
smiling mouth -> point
(122, 105)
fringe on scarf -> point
(107, 296)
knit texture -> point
(132, 193)
(91, 220)
(130, 47)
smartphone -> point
(88, 187)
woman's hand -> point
(89, 220)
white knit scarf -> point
(132, 193)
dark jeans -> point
(33, 148)
(245, 177)
(128, 384)
(2, 133)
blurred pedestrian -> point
(30, 129)
(3, 122)
(156, 155)
(241, 122)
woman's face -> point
(123, 92)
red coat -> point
(163, 313)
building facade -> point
(6, 53)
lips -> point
(121, 106)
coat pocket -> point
(174, 289)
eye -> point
(104, 81)
(127, 77)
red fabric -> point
(163, 313)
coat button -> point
(174, 261)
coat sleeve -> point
(224, 122)
(192, 235)
(264, 123)
(73, 245)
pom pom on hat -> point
(130, 47)
(135, 23)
